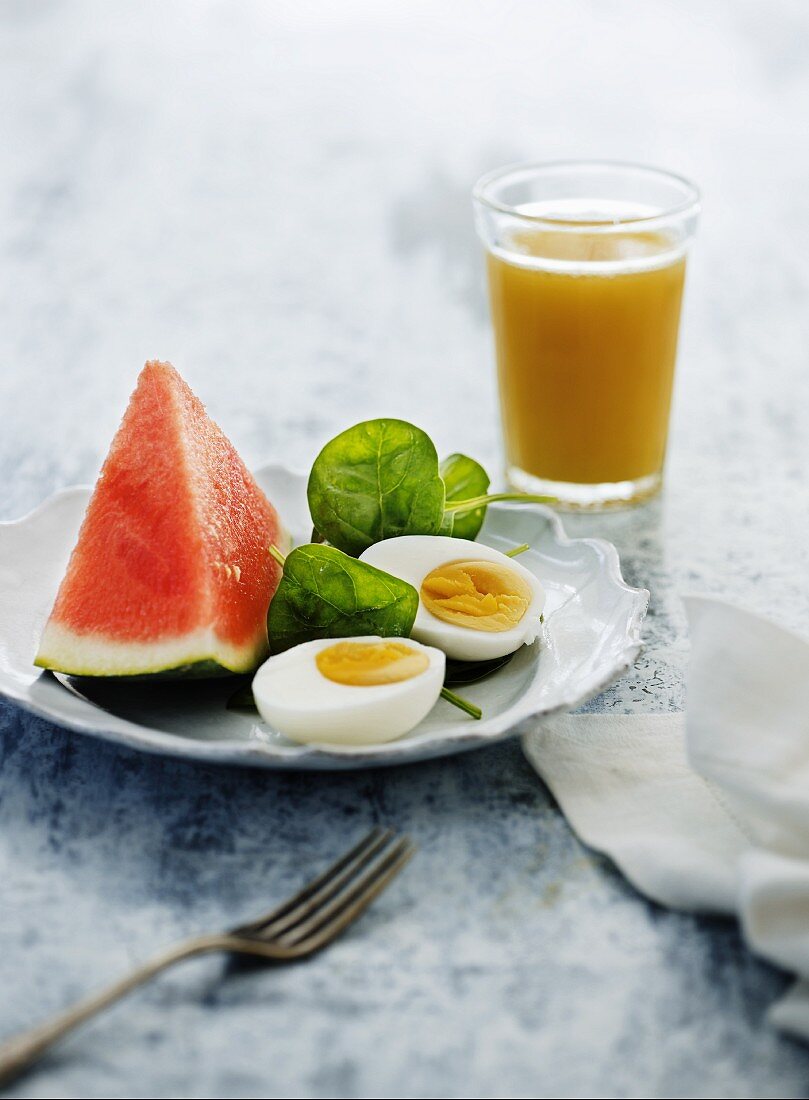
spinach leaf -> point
(469, 672)
(375, 481)
(463, 479)
(323, 593)
(242, 699)
(381, 479)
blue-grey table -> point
(276, 197)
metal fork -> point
(304, 924)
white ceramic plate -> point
(592, 634)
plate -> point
(592, 635)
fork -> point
(301, 926)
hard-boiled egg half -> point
(351, 691)
(475, 603)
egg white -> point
(412, 557)
(295, 698)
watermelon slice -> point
(171, 574)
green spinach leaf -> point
(242, 699)
(469, 672)
(375, 481)
(381, 479)
(326, 594)
(464, 478)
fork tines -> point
(330, 902)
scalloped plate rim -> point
(430, 745)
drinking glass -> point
(586, 264)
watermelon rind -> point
(196, 670)
(199, 656)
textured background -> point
(276, 197)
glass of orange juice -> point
(586, 264)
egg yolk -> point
(367, 664)
(481, 595)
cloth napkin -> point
(706, 810)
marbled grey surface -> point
(275, 197)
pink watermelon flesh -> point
(171, 572)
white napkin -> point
(709, 810)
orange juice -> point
(585, 325)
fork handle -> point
(21, 1051)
